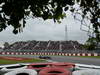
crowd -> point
(46, 46)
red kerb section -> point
(14, 58)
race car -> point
(45, 57)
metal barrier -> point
(44, 53)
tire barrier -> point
(65, 65)
(54, 71)
(38, 66)
(22, 72)
(84, 66)
(86, 72)
(59, 54)
(7, 68)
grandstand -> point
(46, 46)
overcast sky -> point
(37, 29)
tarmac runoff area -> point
(71, 59)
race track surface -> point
(80, 60)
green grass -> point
(4, 61)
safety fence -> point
(43, 53)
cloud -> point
(37, 29)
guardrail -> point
(43, 53)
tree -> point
(15, 12)
(6, 44)
(90, 44)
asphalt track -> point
(80, 60)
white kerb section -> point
(63, 54)
(24, 53)
(74, 54)
(12, 53)
(8, 53)
(89, 54)
(69, 54)
(59, 53)
(16, 53)
(53, 53)
(95, 54)
(78, 54)
(86, 72)
(28, 53)
(83, 54)
(20, 53)
(45, 53)
(22, 71)
(66, 54)
(34, 53)
(3, 53)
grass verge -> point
(5, 61)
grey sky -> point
(37, 29)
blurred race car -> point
(45, 57)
